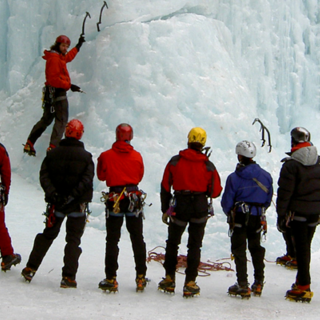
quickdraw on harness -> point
(48, 97)
(245, 208)
(263, 128)
(136, 200)
(50, 216)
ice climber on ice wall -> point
(55, 102)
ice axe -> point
(263, 128)
(104, 5)
(84, 22)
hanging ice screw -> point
(104, 5)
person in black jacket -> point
(298, 205)
(66, 177)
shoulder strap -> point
(261, 185)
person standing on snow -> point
(298, 205)
(66, 176)
(55, 102)
(194, 179)
(247, 195)
(8, 257)
(122, 168)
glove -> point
(75, 88)
(5, 199)
(80, 42)
(281, 224)
(55, 199)
(165, 218)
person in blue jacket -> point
(247, 195)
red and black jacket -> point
(191, 174)
(5, 169)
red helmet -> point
(74, 129)
(124, 132)
(63, 39)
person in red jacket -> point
(194, 179)
(122, 168)
(8, 257)
(55, 103)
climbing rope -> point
(203, 269)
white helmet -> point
(246, 148)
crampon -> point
(191, 289)
(240, 290)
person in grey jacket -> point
(298, 205)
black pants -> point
(290, 247)
(303, 232)
(196, 233)
(60, 113)
(239, 246)
(135, 228)
(72, 251)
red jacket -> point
(57, 74)
(121, 165)
(191, 170)
(5, 169)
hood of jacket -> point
(193, 155)
(122, 147)
(248, 171)
(49, 54)
(308, 156)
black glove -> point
(5, 199)
(56, 199)
(75, 88)
(80, 42)
(281, 224)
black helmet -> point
(299, 135)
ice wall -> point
(165, 66)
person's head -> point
(299, 135)
(246, 150)
(62, 44)
(197, 138)
(124, 132)
(74, 129)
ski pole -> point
(84, 22)
(104, 5)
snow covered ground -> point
(44, 299)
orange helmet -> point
(63, 39)
(124, 132)
(74, 129)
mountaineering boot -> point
(67, 282)
(299, 293)
(292, 264)
(110, 285)
(141, 282)
(242, 290)
(9, 261)
(167, 284)
(29, 149)
(191, 289)
(256, 288)
(28, 273)
(283, 259)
